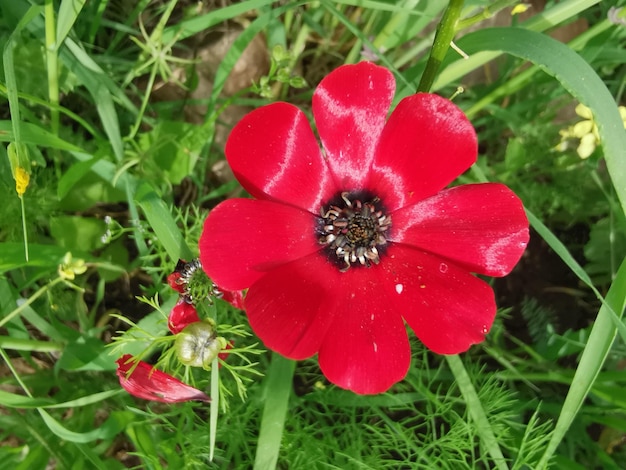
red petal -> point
(243, 239)
(290, 308)
(366, 349)
(235, 298)
(183, 314)
(448, 308)
(425, 145)
(309, 306)
(176, 282)
(482, 227)
(350, 107)
(152, 384)
(274, 155)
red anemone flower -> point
(151, 384)
(340, 247)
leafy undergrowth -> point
(114, 117)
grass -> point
(118, 112)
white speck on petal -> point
(485, 329)
(399, 288)
(375, 347)
(372, 317)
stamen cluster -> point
(354, 231)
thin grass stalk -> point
(52, 65)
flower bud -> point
(198, 344)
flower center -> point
(353, 230)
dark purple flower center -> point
(353, 226)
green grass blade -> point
(196, 24)
(598, 346)
(576, 76)
(35, 135)
(68, 12)
(110, 428)
(163, 224)
(476, 411)
(279, 383)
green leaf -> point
(32, 134)
(13, 400)
(162, 222)
(277, 391)
(596, 350)
(116, 423)
(68, 12)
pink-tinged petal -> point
(291, 308)
(274, 155)
(350, 107)
(482, 227)
(447, 307)
(183, 314)
(243, 239)
(425, 145)
(151, 384)
(366, 349)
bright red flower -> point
(182, 315)
(149, 383)
(341, 247)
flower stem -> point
(445, 33)
(476, 411)
(277, 391)
(52, 66)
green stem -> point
(277, 391)
(445, 33)
(476, 411)
(22, 344)
(485, 14)
(53, 66)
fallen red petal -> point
(149, 383)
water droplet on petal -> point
(443, 268)
(399, 288)
(485, 329)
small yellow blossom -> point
(70, 268)
(585, 131)
(520, 8)
(22, 178)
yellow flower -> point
(70, 268)
(586, 131)
(22, 178)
